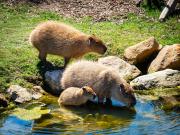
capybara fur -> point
(105, 81)
(63, 40)
(76, 96)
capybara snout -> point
(127, 92)
(97, 45)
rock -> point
(156, 93)
(3, 101)
(166, 78)
(170, 102)
(52, 78)
(127, 71)
(168, 57)
(141, 51)
(21, 95)
(39, 89)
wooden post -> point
(168, 9)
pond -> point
(146, 118)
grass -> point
(18, 58)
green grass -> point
(19, 59)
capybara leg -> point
(108, 102)
(66, 61)
(100, 100)
(42, 56)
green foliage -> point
(18, 58)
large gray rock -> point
(52, 78)
(21, 95)
(142, 51)
(164, 78)
(126, 70)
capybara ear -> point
(83, 88)
(122, 87)
(91, 40)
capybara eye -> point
(121, 87)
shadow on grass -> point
(43, 67)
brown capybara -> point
(76, 96)
(106, 82)
(61, 39)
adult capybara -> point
(61, 39)
(106, 82)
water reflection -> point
(84, 119)
(147, 118)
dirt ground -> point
(99, 10)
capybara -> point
(105, 81)
(60, 39)
(76, 96)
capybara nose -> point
(105, 49)
(133, 102)
(94, 96)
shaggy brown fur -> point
(76, 96)
(60, 39)
(105, 81)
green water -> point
(146, 118)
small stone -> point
(126, 70)
(39, 89)
(52, 78)
(21, 95)
(170, 102)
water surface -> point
(146, 119)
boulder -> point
(52, 78)
(21, 95)
(3, 101)
(165, 78)
(168, 57)
(141, 51)
(126, 70)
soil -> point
(98, 10)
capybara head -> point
(89, 92)
(96, 45)
(125, 94)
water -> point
(147, 119)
